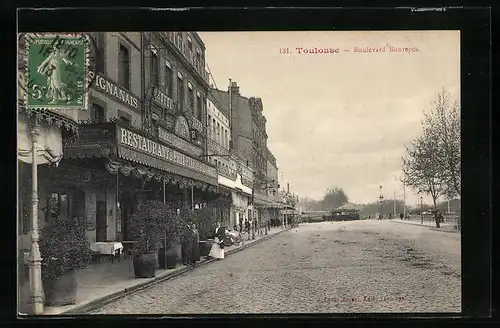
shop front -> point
(240, 198)
(261, 214)
(115, 167)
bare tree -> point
(423, 168)
(442, 122)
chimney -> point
(234, 88)
(287, 187)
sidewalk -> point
(444, 227)
(102, 283)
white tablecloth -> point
(108, 248)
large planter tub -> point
(61, 291)
(145, 265)
(205, 246)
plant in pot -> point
(172, 228)
(205, 220)
(146, 228)
(64, 248)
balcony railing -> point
(247, 182)
(215, 148)
(197, 125)
(226, 172)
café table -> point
(112, 249)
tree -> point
(423, 167)
(334, 197)
(442, 124)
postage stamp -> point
(55, 70)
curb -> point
(106, 299)
(430, 227)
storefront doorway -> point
(101, 221)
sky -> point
(339, 119)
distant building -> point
(249, 141)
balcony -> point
(195, 124)
(226, 172)
(215, 148)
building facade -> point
(249, 141)
(233, 171)
(144, 136)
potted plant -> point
(205, 221)
(172, 232)
(64, 248)
(146, 228)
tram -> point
(342, 215)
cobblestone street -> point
(357, 266)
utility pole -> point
(381, 197)
(404, 199)
(230, 106)
(394, 202)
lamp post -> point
(421, 210)
(35, 260)
(381, 197)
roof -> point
(348, 206)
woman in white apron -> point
(217, 250)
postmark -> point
(56, 70)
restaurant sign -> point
(178, 142)
(110, 88)
(155, 149)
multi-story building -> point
(144, 136)
(233, 172)
(81, 186)
(249, 140)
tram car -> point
(343, 213)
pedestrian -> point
(241, 226)
(217, 250)
(247, 226)
(195, 248)
(186, 244)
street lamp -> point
(381, 197)
(35, 259)
(421, 210)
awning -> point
(139, 171)
(239, 201)
(153, 162)
(49, 145)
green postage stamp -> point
(57, 71)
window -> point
(218, 132)
(124, 117)
(199, 108)
(191, 101)
(24, 211)
(214, 134)
(190, 43)
(225, 139)
(58, 205)
(178, 40)
(98, 113)
(198, 56)
(168, 79)
(124, 67)
(155, 76)
(209, 126)
(99, 56)
(180, 93)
